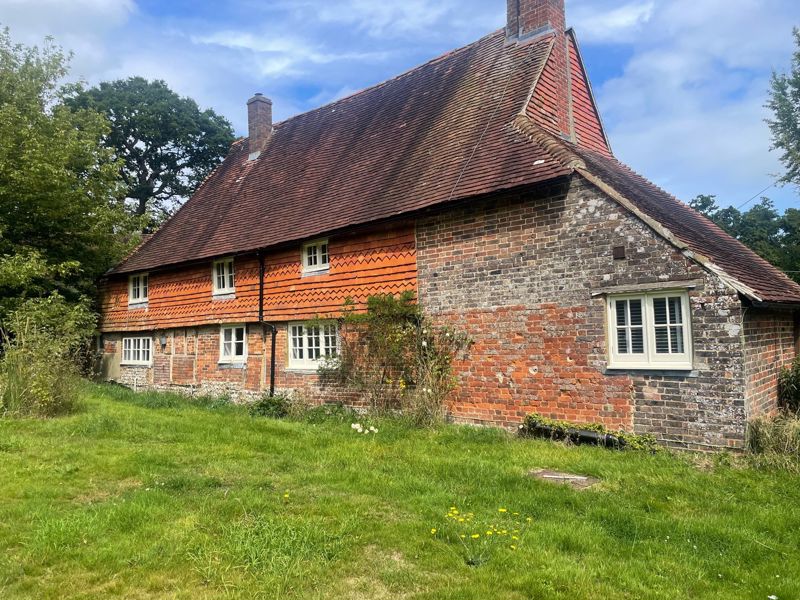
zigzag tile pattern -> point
(363, 264)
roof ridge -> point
(404, 74)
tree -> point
(774, 237)
(784, 103)
(167, 145)
(62, 216)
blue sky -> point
(681, 83)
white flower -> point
(424, 344)
(373, 430)
(772, 597)
(355, 426)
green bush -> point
(273, 407)
(43, 343)
(774, 441)
(789, 387)
(36, 378)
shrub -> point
(789, 387)
(774, 441)
(273, 407)
(43, 343)
(396, 359)
(36, 378)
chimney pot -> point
(259, 123)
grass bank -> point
(151, 496)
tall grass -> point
(775, 441)
(37, 378)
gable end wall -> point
(517, 271)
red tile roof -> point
(450, 129)
(436, 133)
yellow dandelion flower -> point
(475, 536)
(504, 531)
(513, 547)
(515, 514)
(513, 537)
(286, 495)
(433, 531)
(461, 520)
(489, 532)
(529, 519)
(463, 536)
(502, 510)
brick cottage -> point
(483, 182)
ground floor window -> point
(650, 331)
(310, 343)
(136, 350)
(233, 343)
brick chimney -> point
(259, 123)
(527, 18)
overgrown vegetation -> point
(396, 358)
(43, 347)
(789, 388)
(156, 495)
(774, 441)
(536, 425)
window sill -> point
(312, 273)
(223, 295)
(673, 371)
(303, 370)
(136, 365)
(137, 305)
(232, 365)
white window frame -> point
(650, 359)
(142, 285)
(228, 277)
(137, 351)
(314, 338)
(318, 260)
(232, 357)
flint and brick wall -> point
(189, 362)
(770, 344)
(518, 272)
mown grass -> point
(153, 496)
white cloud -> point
(617, 24)
(687, 109)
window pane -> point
(144, 286)
(662, 340)
(620, 307)
(660, 311)
(313, 336)
(239, 349)
(635, 312)
(324, 254)
(637, 340)
(227, 334)
(230, 274)
(226, 349)
(622, 341)
(330, 341)
(297, 342)
(239, 334)
(220, 276)
(311, 256)
(676, 339)
(675, 312)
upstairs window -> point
(223, 276)
(136, 351)
(315, 256)
(650, 331)
(310, 343)
(137, 289)
(233, 344)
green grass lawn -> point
(149, 496)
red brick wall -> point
(770, 344)
(518, 272)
